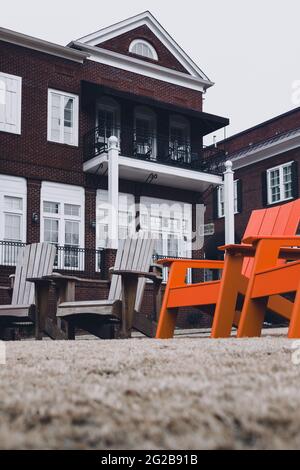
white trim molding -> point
(141, 67)
(13, 37)
(265, 151)
(88, 43)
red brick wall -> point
(30, 154)
(282, 123)
(252, 193)
(121, 44)
(142, 86)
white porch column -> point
(113, 192)
(229, 202)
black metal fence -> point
(82, 262)
(189, 276)
(144, 145)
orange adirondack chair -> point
(268, 280)
(237, 268)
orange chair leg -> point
(294, 328)
(166, 324)
(225, 312)
(252, 317)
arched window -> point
(107, 120)
(143, 48)
(180, 139)
(145, 133)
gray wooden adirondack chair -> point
(132, 265)
(29, 302)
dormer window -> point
(143, 48)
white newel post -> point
(229, 202)
(113, 192)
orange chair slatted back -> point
(279, 220)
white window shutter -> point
(10, 109)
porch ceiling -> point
(158, 174)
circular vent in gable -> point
(143, 48)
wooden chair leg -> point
(70, 329)
(129, 289)
(42, 303)
(225, 312)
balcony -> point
(154, 148)
(154, 158)
(82, 262)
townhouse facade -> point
(58, 108)
(265, 161)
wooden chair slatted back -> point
(35, 260)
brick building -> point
(58, 108)
(265, 161)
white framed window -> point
(62, 223)
(170, 224)
(180, 140)
(221, 203)
(143, 48)
(145, 133)
(108, 120)
(280, 183)
(63, 117)
(13, 199)
(126, 217)
(10, 103)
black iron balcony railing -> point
(154, 147)
(84, 262)
(165, 271)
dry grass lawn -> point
(187, 393)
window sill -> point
(11, 132)
(223, 216)
(63, 144)
(280, 201)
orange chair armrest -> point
(192, 263)
(290, 241)
(244, 249)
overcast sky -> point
(249, 48)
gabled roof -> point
(145, 18)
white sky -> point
(249, 48)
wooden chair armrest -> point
(128, 273)
(62, 278)
(156, 267)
